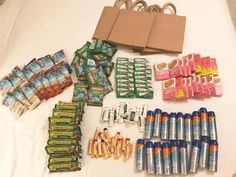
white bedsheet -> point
(31, 28)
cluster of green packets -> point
(64, 144)
(133, 78)
(93, 66)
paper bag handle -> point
(154, 8)
(119, 3)
(143, 5)
(169, 4)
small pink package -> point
(190, 87)
(185, 88)
(161, 71)
(189, 64)
(218, 87)
(194, 84)
(169, 89)
(200, 87)
(214, 67)
(197, 61)
(175, 68)
(205, 85)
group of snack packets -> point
(64, 144)
(102, 145)
(43, 78)
(124, 113)
(93, 66)
(192, 76)
(133, 78)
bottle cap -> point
(180, 114)
(165, 145)
(203, 109)
(196, 143)
(187, 115)
(173, 114)
(211, 113)
(149, 144)
(183, 144)
(174, 143)
(213, 142)
(150, 113)
(140, 141)
(165, 114)
(157, 111)
(195, 113)
(157, 144)
(205, 139)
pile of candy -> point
(125, 113)
(64, 144)
(133, 78)
(175, 158)
(40, 79)
(102, 145)
(197, 131)
(93, 66)
(192, 76)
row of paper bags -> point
(147, 29)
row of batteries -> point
(193, 143)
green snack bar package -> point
(140, 60)
(62, 127)
(63, 133)
(143, 93)
(63, 158)
(124, 93)
(63, 120)
(108, 49)
(68, 149)
(80, 92)
(96, 94)
(99, 57)
(92, 76)
(64, 167)
(62, 113)
(78, 105)
(63, 141)
(79, 52)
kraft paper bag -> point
(167, 31)
(132, 28)
(108, 18)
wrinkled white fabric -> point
(30, 28)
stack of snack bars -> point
(192, 76)
(133, 78)
(64, 144)
(40, 79)
(102, 145)
(93, 66)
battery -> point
(165, 121)
(212, 125)
(166, 158)
(149, 122)
(157, 123)
(183, 158)
(196, 125)
(150, 157)
(172, 129)
(204, 122)
(203, 161)
(213, 156)
(195, 156)
(180, 126)
(188, 127)
(158, 158)
(140, 154)
(174, 151)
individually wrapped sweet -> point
(34, 66)
(28, 73)
(39, 87)
(64, 71)
(54, 83)
(46, 62)
(95, 95)
(80, 92)
(20, 97)
(5, 86)
(43, 79)
(17, 71)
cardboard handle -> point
(155, 8)
(169, 4)
(143, 6)
(119, 3)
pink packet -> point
(161, 71)
(197, 61)
(206, 89)
(214, 67)
(208, 66)
(194, 84)
(183, 70)
(169, 89)
(190, 58)
(211, 84)
(205, 63)
(175, 68)
(179, 86)
(185, 88)
(190, 87)
(200, 87)
(188, 67)
(218, 87)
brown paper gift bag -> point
(132, 28)
(108, 18)
(167, 31)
